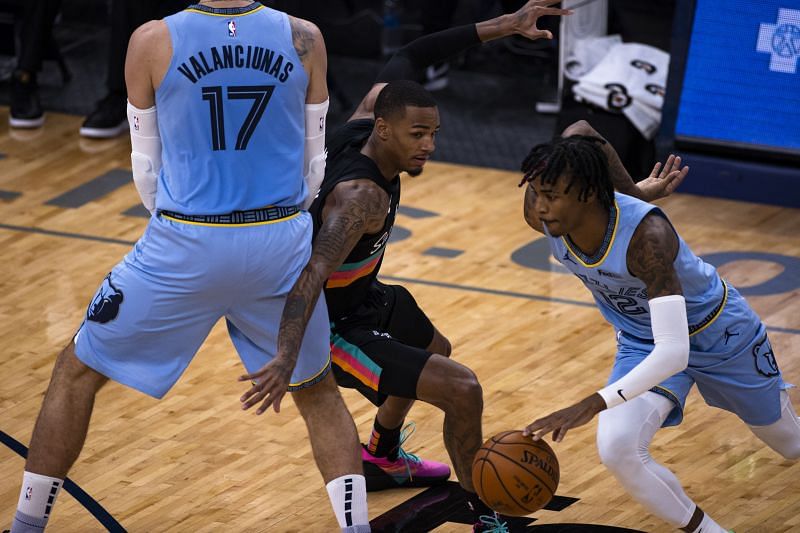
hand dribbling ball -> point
(515, 475)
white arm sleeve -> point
(315, 154)
(145, 153)
(670, 355)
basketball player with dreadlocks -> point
(382, 343)
(677, 322)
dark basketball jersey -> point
(347, 288)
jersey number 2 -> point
(259, 94)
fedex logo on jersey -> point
(231, 28)
(782, 41)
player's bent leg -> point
(58, 438)
(454, 388)
(624, 434)
(385, 438)
(440, 344)
(334, 441)
(386, 464)
(782, 436)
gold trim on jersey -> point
(608, 247)
(226, 15)
(713, 315)
(244, 224)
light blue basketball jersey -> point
(231, 112)
(621, 297)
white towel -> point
(630, 79)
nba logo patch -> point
(135, 122)
(231, 28)
(29, 493)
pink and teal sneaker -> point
(408, 470)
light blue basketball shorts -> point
(731, 360)
(157, 306)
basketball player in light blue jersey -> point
(227, 104)
(677, 322)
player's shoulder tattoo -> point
(651, 254)
(364, 200)
(304, 36)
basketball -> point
(515, 475)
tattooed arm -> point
(650, 257)
(310, 47)
(353, 209)
(651, 253)
(660, 183)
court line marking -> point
(89, 503)
(441, 284)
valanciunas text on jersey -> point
(236, 56)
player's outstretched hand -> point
(526, 17)
(663, 180)
(565, 419)
(269, 384)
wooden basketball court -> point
(195, 462)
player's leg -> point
(782, 436)
(331, 429)
(124, 338)
(390, 418)
(58, 438)
(624, 434)
(334, 441)
(393, 312)
(755, 392)
(253, 324)
(454, 388)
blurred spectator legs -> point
(36, 35)
(109, 119)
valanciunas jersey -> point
(231, 112)
(621, 297)
(349, 286)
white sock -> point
(348, 496)
(36, 500)
(707, 525)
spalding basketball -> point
(515, 475)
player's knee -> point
(324, 392)
(466, 391)
(75, 372)
(790, 452)
(617, 450)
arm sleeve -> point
(145, 153)
(314, 154)
(669, 356)
(410, 61)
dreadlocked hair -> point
(580, 158)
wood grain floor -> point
(195, 462)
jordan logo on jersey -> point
(231, 28)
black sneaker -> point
(26, 110)
(109, 119)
